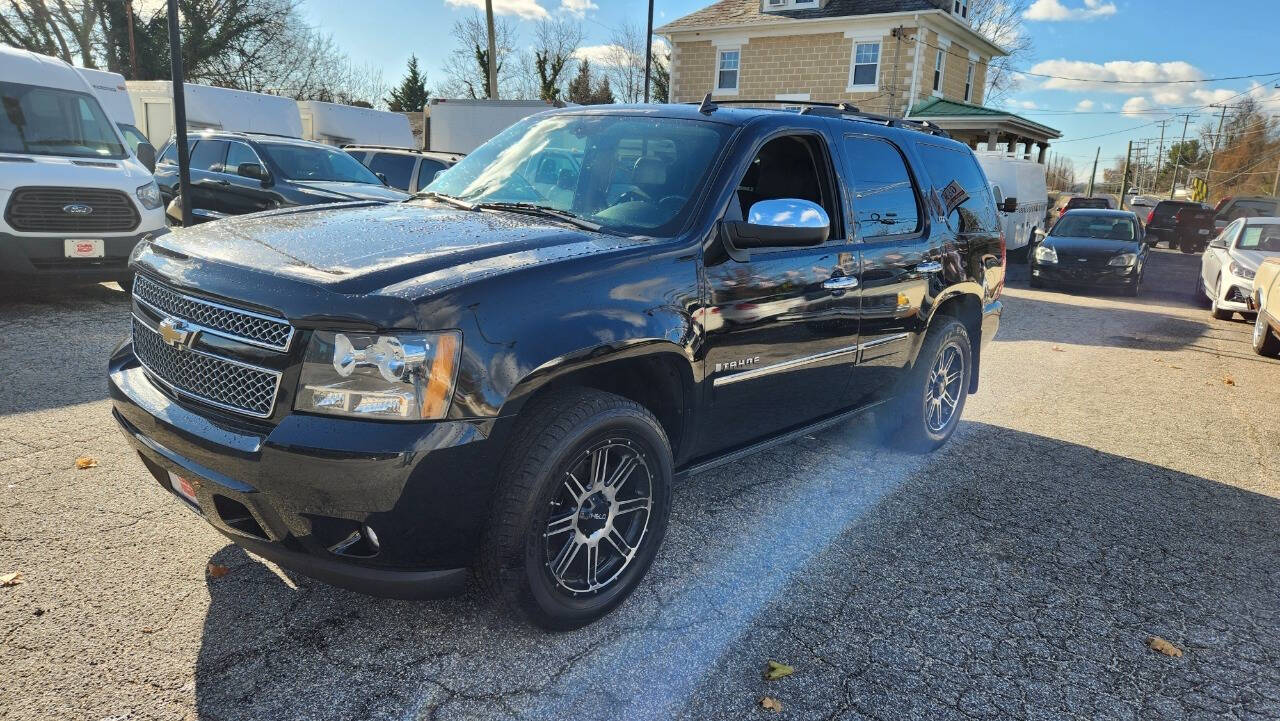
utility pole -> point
(1275, 186)
(180, 113)
(1159, 154)
(1124, 175)
(1208, 173)
(1092, 175)
(493, 51)
(648, 52)
(133, 51)
(1182, 151)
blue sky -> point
(1096, 39)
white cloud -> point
(1055, 11)
(1084, 106)
(1103, 76)
(527, 9)
(1137, 105)
(600, 54)
(578, 7)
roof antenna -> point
(707, 107)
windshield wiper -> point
(544, 211)
(449, 199)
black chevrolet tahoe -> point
(238, 173)
(511, 371)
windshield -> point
(48, 121)
(308, 162)
(1262, 238)
(132, 136)
(629, 174)
(1100, 227)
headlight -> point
(1240, 271)
(1124, 259)
(1046, 254)
(400, 376)
(149, 195)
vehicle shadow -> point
(59, 341)
(1009, 575)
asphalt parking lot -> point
(1117, 477)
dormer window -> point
(789, 4)
(961, 8)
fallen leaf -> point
(1229, 380)
(217, 570)
(39, 612)
(148, 629)
(84, 462)
(1059, 349)
(778, 670)
(1175, 367)
(10, 579)
(769, 703)
(1162, 646)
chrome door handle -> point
(932, 266)
(840, 282)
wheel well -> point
(966, 308)
(655, 382)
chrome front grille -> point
(218, 381)
(242, 325)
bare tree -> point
(466, 68)
(63, 28)
(555, 42)
(1000, 21)
(624, 62)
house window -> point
(961, 8)
(784, 4)
(866, 65)
(938, 64)
(968, 83)
(727, 70)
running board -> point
(777, 440)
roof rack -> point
(369, 146)
(831, 110)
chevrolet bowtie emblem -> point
(177, 333)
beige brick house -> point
(884, 56)
(881, 55)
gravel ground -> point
(1116, 477)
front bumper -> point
(382, 508)
(37, 258)
(1236, 295)
(1092, 276)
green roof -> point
(943, 108)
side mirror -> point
(147, 156)
(1041, 234)
(1010, 205)
(383, 178)
(780, 223)
(252, 170)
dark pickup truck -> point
(509, 372)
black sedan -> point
(1091, 249)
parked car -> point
(1192, 229)
(1021, 198)
(1265, 300)
(1160, 220)
(1092, 249)
(1253, 206)
(402, 168)
(1078, 202)
(381, 396)
(76, 199)
(238, 173)
(1228, 265)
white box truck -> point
(335, 124)
(76, 199)
(209, 107)
(110, 89)
(460, 126)
(1021, 180)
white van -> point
(1021, 180)
(339, 125)
(114, 96)
(76, 199)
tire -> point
(1189, 247)
(918, 430)
(1202, 296)
(553, 440)
(1218, 313)
(1265, 341)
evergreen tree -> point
(580, 85)
(660, 92)
(412, 94)
(602, 95)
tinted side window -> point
(209, 155)
(427, 172)
(791, 166)
(170, 154)
(884, 198)
(978, 212)
(238, 153)
(398, 168)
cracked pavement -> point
(1107, 484)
